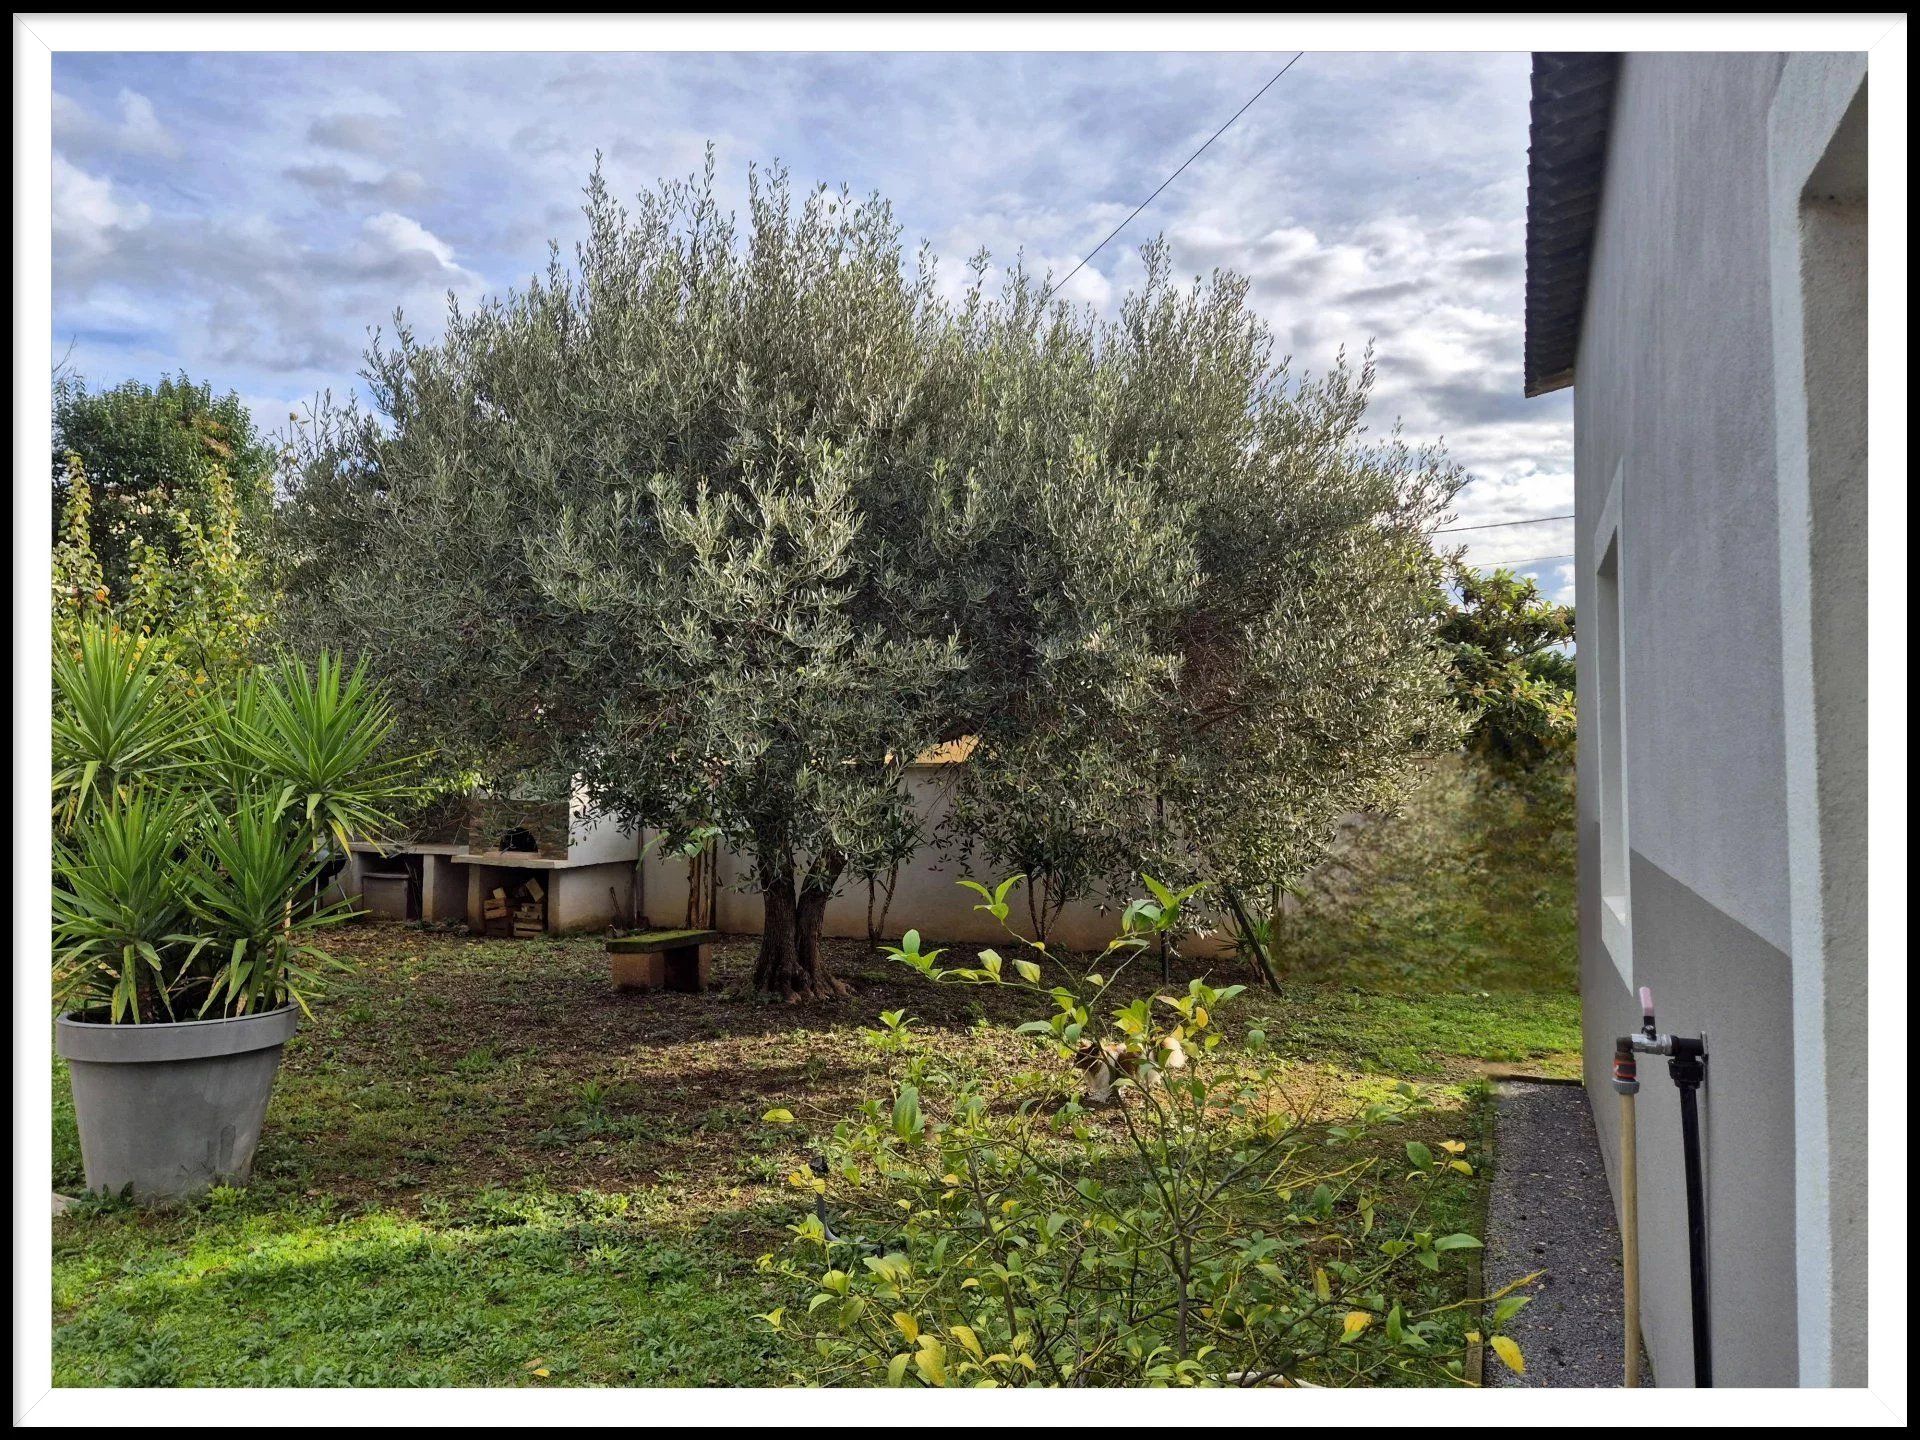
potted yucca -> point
(192, 834)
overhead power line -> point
(1499, 524)
(1052, 289)
(1516, 564)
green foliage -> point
(321, 734)
(1512, 675)
(119, 905)
(120, 720)
(243, 870)
(191, 832)
(735, 523)
(522, 1182)
(162, 500)
(1178, 1217)
(1206, 595)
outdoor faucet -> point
(1687, 1064)
(1649, 1040)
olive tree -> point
(1213, 596)
(660, 522)
(732, 521)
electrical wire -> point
(1054, 289)
(1500, 524)
(1051, 290)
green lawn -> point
(483, 1167)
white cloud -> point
(391, 234)
(88, 216)
(138, 131)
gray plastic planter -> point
(172, 1109)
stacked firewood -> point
(520, 913)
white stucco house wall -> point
(1697, 273)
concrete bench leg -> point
(687, 968)
(641, 970)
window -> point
(1616, 931)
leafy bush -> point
(193, 829)
(1163, 1209)
(162, 500)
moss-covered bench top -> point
(651, 940)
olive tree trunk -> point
(790, 964)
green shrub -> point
(1157, 1207)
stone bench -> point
(662, 959)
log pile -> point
(521, 912)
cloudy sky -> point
(249, 218)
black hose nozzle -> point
(1688, 1062)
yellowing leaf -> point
(909, 1326)
(1321, 1287)
(778, 1117)
(1452, 1147)
(1509, 1354)
(1356, 1321)
(931, 1360)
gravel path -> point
(1550, 1210)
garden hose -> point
(1626, 1080)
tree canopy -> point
(149, 453)
(162, 498)
(733, 521)
(1513, 675)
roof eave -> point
(1566, 164)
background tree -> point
(161, 497)
(158, 457)
(1513, 675)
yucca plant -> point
(239, 877)
(195, 834)
(321, 733)
(118, 720)
(119, 908)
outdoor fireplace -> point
(511, 867)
